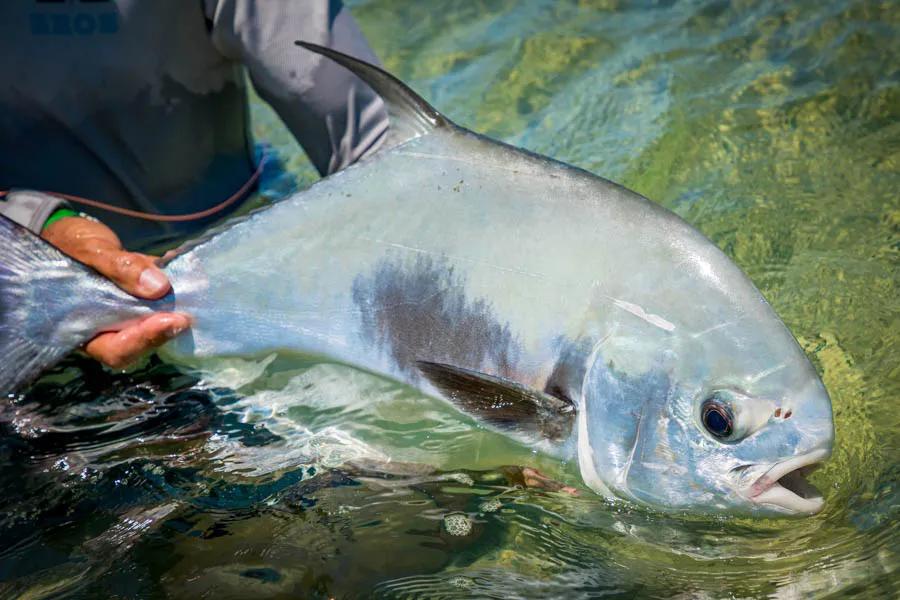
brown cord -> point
(163, 218)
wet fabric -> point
(144, 104)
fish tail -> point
(33, 274)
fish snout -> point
(782, 487)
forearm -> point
(332, 114)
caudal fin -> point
(31, 271)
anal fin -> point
(501, 402)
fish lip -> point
(766, 490)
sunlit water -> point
(771, 126)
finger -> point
(121, 348)
(97, 246)
(135, 273)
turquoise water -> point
(771, 126)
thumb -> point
(97, 246)
(135, 273)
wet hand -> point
(97, 245)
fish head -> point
(702, 401)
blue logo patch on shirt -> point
(84, 20)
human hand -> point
(97, 246)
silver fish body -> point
(473, 270)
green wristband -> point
(59, 213)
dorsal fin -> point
(410, 115)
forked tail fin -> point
(33, 274)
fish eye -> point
(717, 418)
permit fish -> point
(559, 307)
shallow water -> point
(771, 126)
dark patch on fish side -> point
(418, 310)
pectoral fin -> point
(501, 402)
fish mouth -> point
(784, 485)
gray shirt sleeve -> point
(29, 208)
(334, 116)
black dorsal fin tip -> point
(410, 115)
